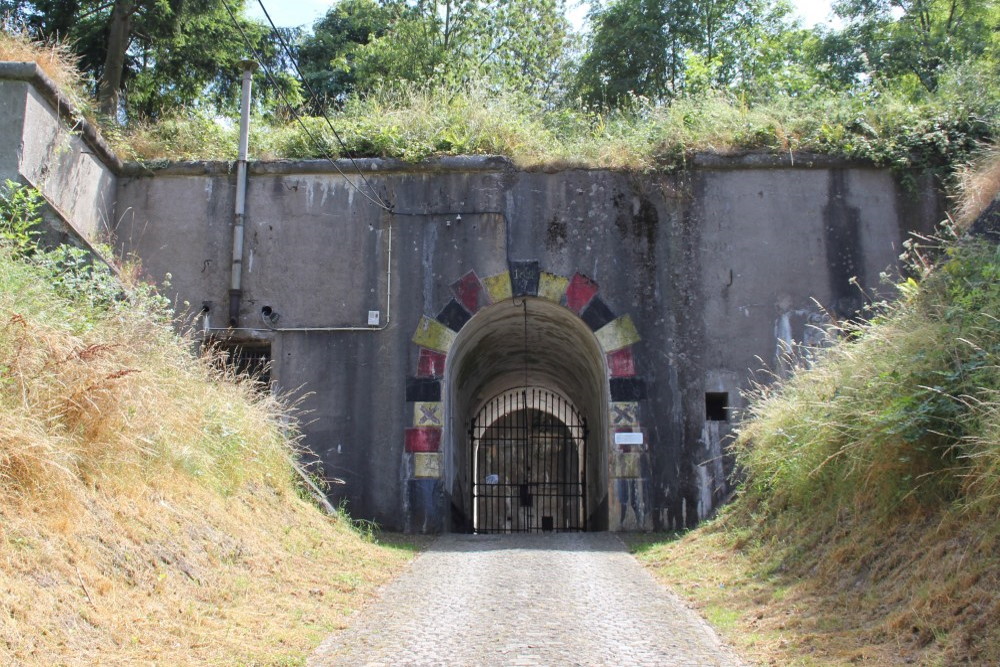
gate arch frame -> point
(467, 388)
(604, 387)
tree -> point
(362, 44)
(919, 38)
(147, 56)
(329, 57)
(663, 48)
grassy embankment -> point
(149, 512)
(866, 529)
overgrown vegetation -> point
(943, 130)
(148, 506)
(868, 503)
(909, 85)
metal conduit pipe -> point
(236, 279)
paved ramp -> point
(550, 599)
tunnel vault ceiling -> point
(559, 353)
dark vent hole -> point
(717, 406)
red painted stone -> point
(423, 439)
(579, 292)
(430, 364)
(469, 292)
(621, 363)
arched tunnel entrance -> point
(527, 410)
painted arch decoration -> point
(434, 337)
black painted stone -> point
(524, 277)
(423, 389)
(597, 314)
(628, 389)
(427, 503)
(454, 315)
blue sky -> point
(304, 12)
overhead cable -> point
(376, 200)
(313, 96)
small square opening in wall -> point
(717, 406)
(251, 359)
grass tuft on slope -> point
(866, 527)
(148, 507)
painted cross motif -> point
(427, 414)
(624, 414)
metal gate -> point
(528, 464)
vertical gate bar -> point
(503, 510)
(564, 476)
(552, 466)
(539, 445)
(472, 474)
(528, 465)
(533, 457)
(532, 470)
(501, 433)
(546, 476)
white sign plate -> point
(628, 438)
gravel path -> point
(550, 599)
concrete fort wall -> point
(688, 281)
(643, 301)
(45, 144)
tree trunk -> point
(109, 86)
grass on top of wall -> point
(56, 59)
(940, 131)
(903, 130)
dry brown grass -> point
(179, 576)
(978, 185)
(148, 510)
(926, 595)
(56, 59)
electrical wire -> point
(313, 96)
(377, 201)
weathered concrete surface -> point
(700, 276)
(569, 599)
(641, 298)
(43, 144)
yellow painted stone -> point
(624, 414)
(433, 335)
(498, 287)
(625, 464)
(552, 287)
(427, 414)
(617, 334)
(426, 465)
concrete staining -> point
(645, 300)
(570, 599)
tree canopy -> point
(917, 39)
(146, 57)
(362, 44)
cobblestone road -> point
(555, 599)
